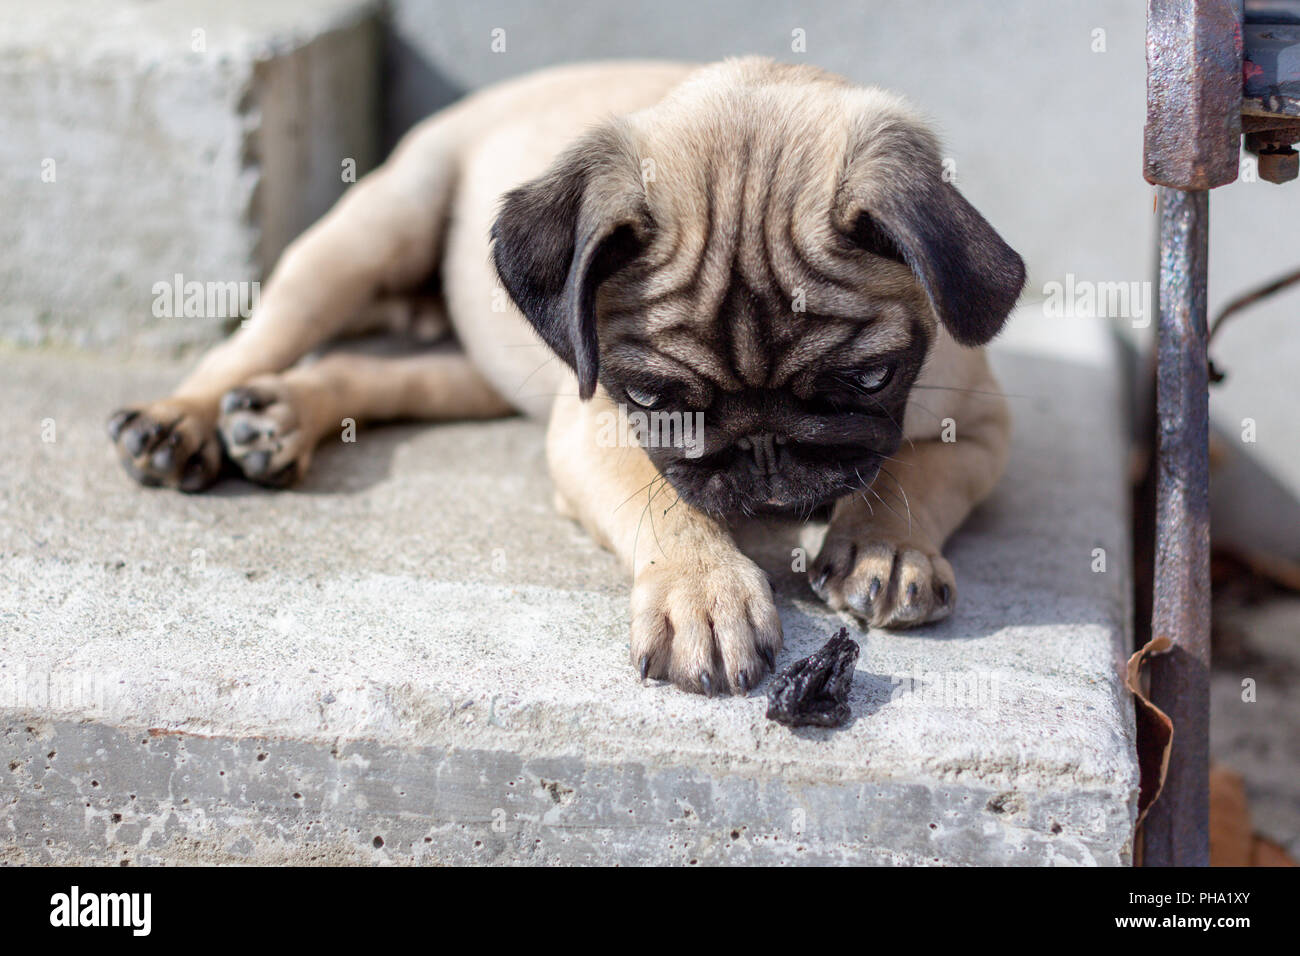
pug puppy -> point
(765, 257)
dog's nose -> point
(762, 445)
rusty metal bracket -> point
(1194, 93)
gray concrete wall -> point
(139, 141)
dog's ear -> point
(558, 237)
(894, 201)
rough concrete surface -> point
(146, 140)
(411, 658)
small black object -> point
(814, 692)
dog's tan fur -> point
(747, 155)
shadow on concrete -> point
(337, 468)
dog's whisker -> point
(898, 461)
(547, 361)
(863, 493)
(933, 414)
(649, 508)
(906, 504)
(891, 418)
(637, 492)
(969, 391)
(891, 509)
(640, 521)
(651, 494)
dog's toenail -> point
(119, 421)
(139, 440)
(944, 593)
(770, 657)
(743, 680)
(241, 398)
(243, 432)
(912, 593)
(874, 590)
(194, 476)
(283, 478)
(819, 585)
(257, 462)
(146, 478)
(706, 683)
(645, 666)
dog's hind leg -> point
(418, 318)
(271, 425)
(382, 237)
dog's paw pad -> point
(261, 430)
(885, 584)
(166, 444)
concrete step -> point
(148, 140)
(412, 659)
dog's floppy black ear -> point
(893, 201)
(558, 237)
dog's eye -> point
(874, 378)
(642, 397)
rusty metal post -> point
(1177, 831)
(1192, 144)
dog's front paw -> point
(884, 583)
(708, 625)
(264, 431)
(170, 443)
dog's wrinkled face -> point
(754, 269)
(785, 438)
